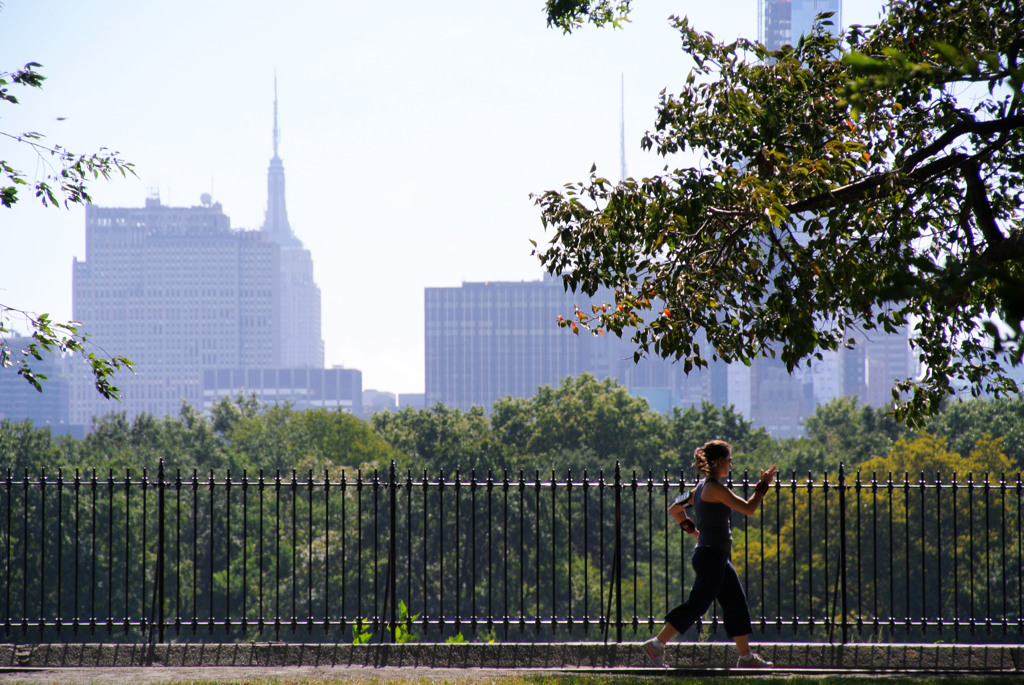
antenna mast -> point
(277, 132)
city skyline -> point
(412, 137)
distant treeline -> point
(582, 425)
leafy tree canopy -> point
(440, 438)
(582, 424)
(843, 432)
(64, 181)
(280, 437)
(753, 448)
(843, 184)
(965, 423)
(929, 455)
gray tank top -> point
(714, 520)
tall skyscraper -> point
(300, 341)
(782, 22)
(175, 290)
(197, 305)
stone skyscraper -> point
(300, 341)
(175, 290)
(196, 305)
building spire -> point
(275, 222)
(277, 131)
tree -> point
(64, 182)
(966, 423)
(582, 424)
(440, 438)
(692, 427)
(278, 437)
(867, 182)
(844, 432)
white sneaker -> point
(655, 651)
(753, 660)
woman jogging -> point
(715, 577)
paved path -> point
(127, 675)
(79, 664)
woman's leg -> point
(708, 567)
(667, 632)
(736, 617)
(735, 612)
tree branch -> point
(977, 127)
(977, 199)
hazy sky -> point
(412, 134)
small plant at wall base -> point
(361, 633)
(403, 631)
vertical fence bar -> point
(75, 611)
(554, 564)
(327, 550)
(605, 612)
(490, 551)
(441, 547)
(456, 576)
(505, 552)
(177, 552)
(93, 554)
(988, 553)
(60, 550)
(245, 551)
(210, 565)
(145, 617)
(161, 551)
(860, 557)
(956, 564)
(8, 613)
(1002, 540)
(568, 545)
(634, 619)
(261, 616)
(938, 553)
(1020, 555)
(810, 549)
(309, 551)
(618, 552)
(42, 552)
(970, 537)
(586, 553)
(392, 548)
(842, 550)
(472, 548)
(924, 560)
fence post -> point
(391, 547)
(842, 546)
(160, 552)
(618, 552)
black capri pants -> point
(715, 578)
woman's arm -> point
(678, 512)
(716, 492)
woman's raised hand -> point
(769, 475)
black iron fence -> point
(398, 556)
